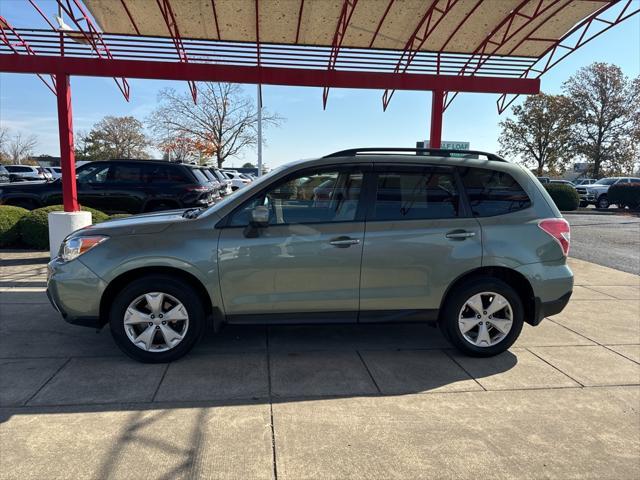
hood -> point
(138, 224)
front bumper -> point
(75, 292)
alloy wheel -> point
(156, 322)
(485, 319)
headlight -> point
(76, 246)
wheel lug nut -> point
(160, 315)
(153, 316)
(484, 313)
(478, 316)
(164, 323)
(157, 327)
(150, 323)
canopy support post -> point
(437, 109)
(67, 155)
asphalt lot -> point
(608, 240)
(323, 402)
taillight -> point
(559, 229)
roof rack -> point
(433, 152)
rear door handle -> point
(460, 235)
(344, 242)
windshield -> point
(254, 185)
(606, 181)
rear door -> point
(419, 238)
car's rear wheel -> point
(483, 317)
(156, 319)
(603, 202)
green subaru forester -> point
(464, 239)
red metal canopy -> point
(443, 46)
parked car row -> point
(27, 173)
(596, 193)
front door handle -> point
(344, 242)
(460, 235)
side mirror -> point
(259, 219)
(260, 216)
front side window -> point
(416, 195)
(95, 173)
(314, 197)
(492, 193)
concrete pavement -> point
(337, 401)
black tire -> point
(456, 300)
(602, 203)
(584, 204)
(179, 289)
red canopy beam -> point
(417, 39)
(567, 46)
(343, 22)
(384, 16)
(94, 67)
(174, 32)
(100, 47)
(492, 43)
(5, 25)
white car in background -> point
(26, 173)
(597, 193)
(238, 180)
(56, 172)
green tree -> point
(605, 106)
(114, 137)
(539, 133)
(248, 165)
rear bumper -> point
(547, 309)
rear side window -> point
(199, 175)
(165, 174)
(124, 173)
(414, 195)
(492, 193)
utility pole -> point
(259, 130)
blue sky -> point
(353, 118)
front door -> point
(305, 266)
(419, 239)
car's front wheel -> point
(156, 319)
(603, 202)
(483, 317)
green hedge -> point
(565, 197)
(9, 229)
(119, 215)
(625, 195)
(34, 227)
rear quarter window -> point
(492, 193)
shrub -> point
(9, 230)
(565, 197)
(34, 227)
(625, 195)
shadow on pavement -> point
(46, 364)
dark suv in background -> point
(131, 186)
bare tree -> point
(606, 117)
(222, 124)
(114, 137)
(4, 137)
(20, 148)
(539, 133)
